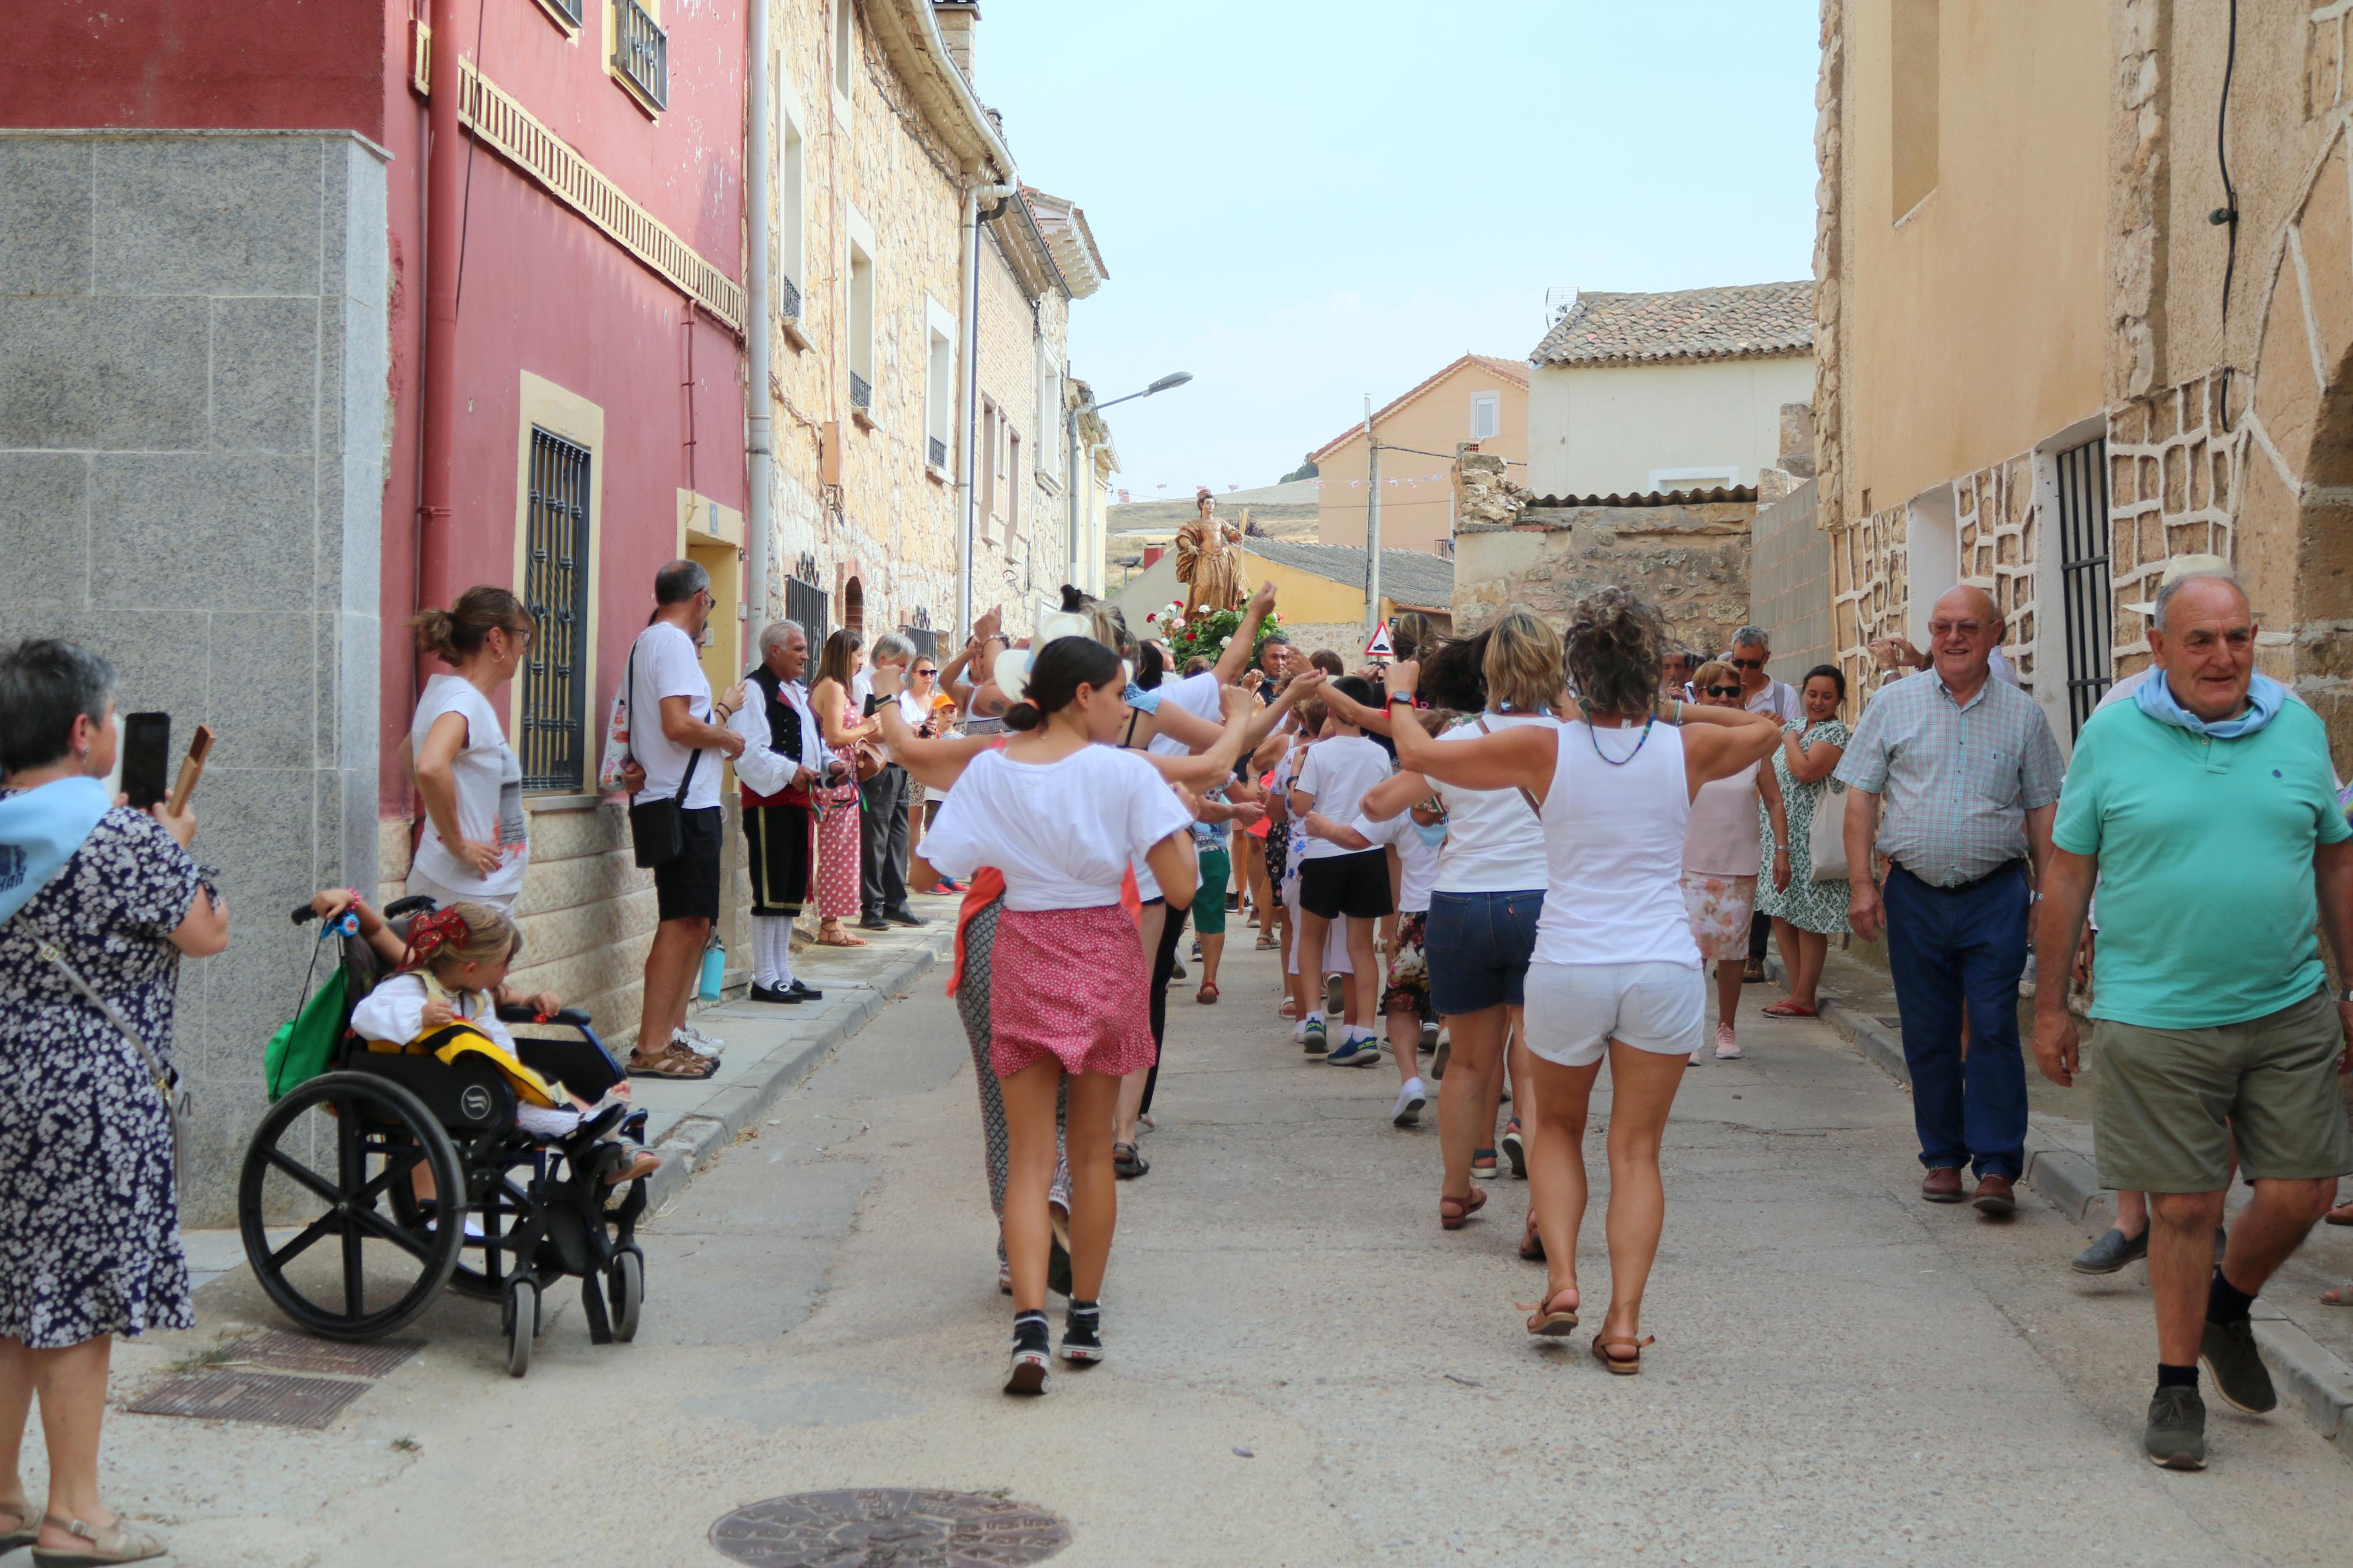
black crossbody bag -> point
(657, 827)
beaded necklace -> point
(1594, 734)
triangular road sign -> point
(1380, 647)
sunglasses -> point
(1748, 663)
(1732, 691)
(927, 672)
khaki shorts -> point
(2167, 1104)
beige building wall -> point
(1630, 429)
(1417, 491)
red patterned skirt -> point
(1071, 984)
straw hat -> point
(2176, 567)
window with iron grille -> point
(555, 587)
(926, 641)
(808, 603)
(641, 51)
(2083, 578)
(571, 8)
(788, 299)
(861, 394)
(937, 451)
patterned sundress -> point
(1819, 907)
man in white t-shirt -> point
(680, 743)
(1338, 883)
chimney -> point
(1153, 553)
(959, 20)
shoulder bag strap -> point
(166, 1078)
(1526, 794)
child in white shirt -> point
(1336, 883)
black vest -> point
(784, 719)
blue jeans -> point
(1478, 947)
(1950, 949)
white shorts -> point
(420, 886)
(1575, 1009)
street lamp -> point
(1070, 529)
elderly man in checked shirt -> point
(1970, 774)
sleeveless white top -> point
(1614, 849)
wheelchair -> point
(337, 1159)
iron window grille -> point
(572, 10)
(926, 641)
(788, 299)
(938, 452)
(861, 391)
(809, 604)
(2084, 589)
(641, 51)
(555, 587)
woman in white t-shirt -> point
(473, 846)
(1062, 816)
(1615, 971)
(1722, 860)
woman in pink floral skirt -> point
(835, 799)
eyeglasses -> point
(1947, 629)
(1732, 690)
(927, 672)
(1757, 663)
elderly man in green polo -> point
(2206, 810)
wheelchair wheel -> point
(628, 1290)
(325, 1163)
(518, 1317)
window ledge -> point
(539, 802)
(1047, 481)
(934, 473)
(791, 326)
(864, 420)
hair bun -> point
(1023, 716)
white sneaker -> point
(1695, 1057)
(694, 1039)
(1409, 1101)
(1727, 1045)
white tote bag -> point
(1826, 841)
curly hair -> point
(1614, 640)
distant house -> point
(1319, 590)
(1639, 394)
(1477, 398)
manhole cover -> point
(299, 1352)
(889, 1527)
(256, 1396)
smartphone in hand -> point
(146, 758)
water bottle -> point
(714, 969)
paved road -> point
(1843, 1374)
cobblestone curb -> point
(2317, 1379)
(702, 1131)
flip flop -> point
(843, 940)
(1789, 1010)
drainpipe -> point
(1094, 523)
(1070, 529)
(757, 446)
(445, 175)
(968, 421)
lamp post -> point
(1070, 529)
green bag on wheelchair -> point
(305, 1043)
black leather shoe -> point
(905, 918)
(801, 993)
(770, 994)
(873, 922)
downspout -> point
(444, 194)
(968, 425)
(758, 444)
(1095, 524)
(1071, 529)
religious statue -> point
(1209, 560)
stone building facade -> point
(2143, 353)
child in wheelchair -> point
(451, 969)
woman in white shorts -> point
(1615, 970)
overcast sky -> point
(1305, 201)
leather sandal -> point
(108, 1544)
(1454, 1212)
(1622, 1366)
(1550, 1320)
(1126, 1163)
(1532, 1242)
(26, 1532)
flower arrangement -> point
(1207, 634)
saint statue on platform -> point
(1209, 560)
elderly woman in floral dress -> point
(1806, 913)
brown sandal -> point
(1622, 1366)
(676, 1062)
(1462, 1208)
(841, 938)
(1549, 1321)
(1208, 995)
(1532, 1242)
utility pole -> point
(1372, 523)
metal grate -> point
(2084, 589)
(926, 641)
(641, 51)
(861, 393)
(895, 1525)
(807, 604)
(788, 299)
(262, 1398)
(555, 587)
(938, 451)
(299, 1352)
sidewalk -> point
(2308, 1344)
(770, 1050)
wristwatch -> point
(1404, 697)
(2345, 995)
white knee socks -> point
(772, 952)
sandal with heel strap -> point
(1622, 1366)
(1532, 1242)
(1455, 1212)
(27, 1532)
(108, 1544)
(1551, 1320)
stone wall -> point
(2170, 482)
(1790, 582)
(191, 431)
(1691, 559)
(1830, 265)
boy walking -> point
(1340, 884)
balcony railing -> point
(641, 52)
(939, 453)
(861, 394)
(788, 299)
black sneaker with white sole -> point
(2228, 1352)
(1031, 1360)
(1083, 1334)
(2175, 1437)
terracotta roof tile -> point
(1749, 321)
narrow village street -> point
(1303, 1368)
